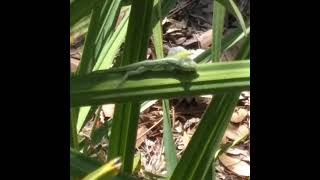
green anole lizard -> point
(177, 61)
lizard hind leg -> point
(138, 71)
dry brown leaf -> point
(141, 136)
(185, 139)
(240, 153)
(191, 122)
(206, 99)
(209, 96)
(191, 131)
(74, 64)
(234, 132)
(205, 39)
(235, 165)
(231, 52)
(149, 143)
(102, 117)
(180, 146)
(108, 110)
(243, 130)
(239, 116)
(208, 9)
(221, 171)
(234, 151)
(245, 157)
(245, 93)
(178, 127)
(180, 40)
(191, 41)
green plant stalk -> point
(218, 24)
(234, 37)
(218, 27)
(87, 60)
(104, 61)
(80, 165)
(169, 146)
(198, 156)
(81, 26)
(107, 19)
(80, 9)
(125, 121)
(166, 6)
(101, 26)
(232, 8)
(123, 136)
(226, 146)
(244, 51)
(111, 48)
(157, 29)
(215, 77)
(108, 53)
(227, 42)
(85, 114)
(107, 171)
(73, 131)
(238, 15)
(210, 174)
(103, 130)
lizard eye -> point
(184, 63)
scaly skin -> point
(177, 61)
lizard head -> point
(188, 64)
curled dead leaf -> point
(235, 165)
(185, 139)
(179, 128)
(180, 40)
(205, 39)
(240, 153)
(141, 136)
(108, 110)
(239, 116)
(74, 64)
(234, 132)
